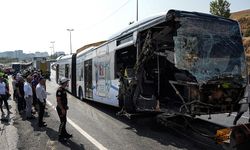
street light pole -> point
(136, 10)
(70, 30)
(53, 48)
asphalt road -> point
(95, 126)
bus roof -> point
(86, 50)
(139, 24)
(161, 17)
(21, 63)
(151, 21)
(85, 47)
(64, 57)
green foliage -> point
(247, 33)
(220, 8)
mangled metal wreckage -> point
(188, 64)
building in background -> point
(20, 56)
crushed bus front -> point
(191, 64)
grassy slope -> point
(244, 19)
(240, 14)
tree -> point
(220, 8)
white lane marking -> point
(85, 134)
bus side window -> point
(66, 70)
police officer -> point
(62, 107)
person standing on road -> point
(21, 104)
(3, 97)
(28, 96)
(14, 82)
(62, 107)
(41, 97)
(34, 83)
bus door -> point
(66, 70)
(88, 78)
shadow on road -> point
(146, 126)
(5, 120)
(52, 134)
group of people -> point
(30, 94)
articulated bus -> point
(177, 62)
(65, 67)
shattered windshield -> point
(209, 48)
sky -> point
(37, 25)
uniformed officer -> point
(62, 107)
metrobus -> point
(177, 62)
(65, 67)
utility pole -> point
(136, 10)
(53, 48)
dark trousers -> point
(1, 106)
(21, 104)
(1, 103)
(35, 102)
(41, 112)
(4, 99)
(63, 120)
(15, 95)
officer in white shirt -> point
(41, 97)
(28, 96)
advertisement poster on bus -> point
(102, 78)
